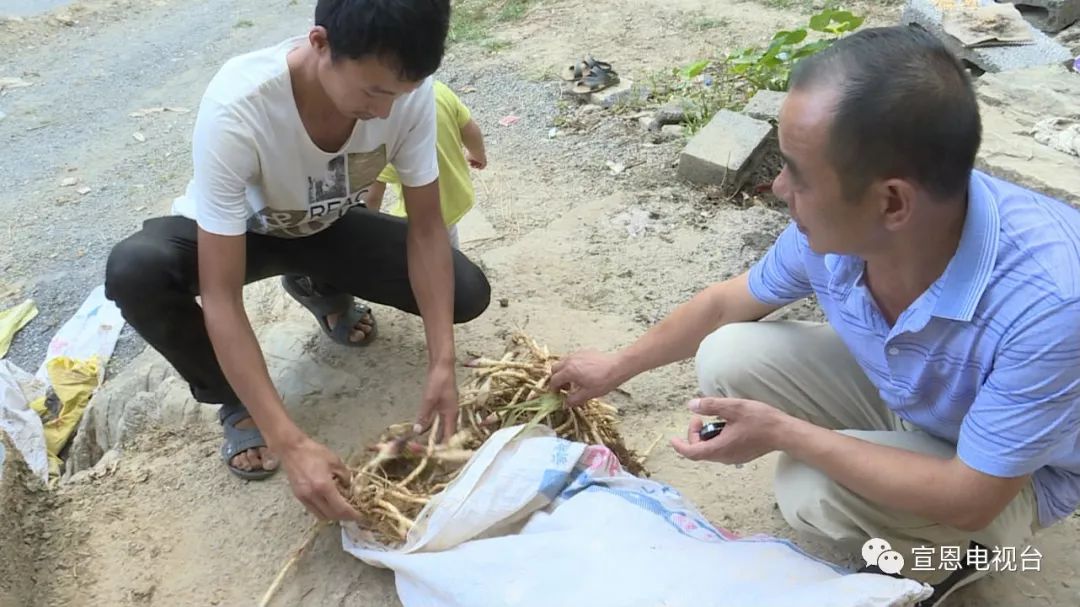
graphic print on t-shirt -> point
(331, 193)
(365, 168)
(330, 185)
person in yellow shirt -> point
(459, 145)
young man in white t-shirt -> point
(287, 142)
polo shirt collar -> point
(968, 273)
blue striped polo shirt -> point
(988, 358)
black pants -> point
(152, 276)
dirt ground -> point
(584, 257)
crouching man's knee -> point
(726, 359)
(472, 293)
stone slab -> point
(765, 105)
(623, 92)
(1050, 16)
(725, 151)
(1032, 93)
(1011, 104)
(1044, 51)
(672, 112)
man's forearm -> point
(241, 359)
(431, 273)
(894, 478)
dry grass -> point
(393, 486)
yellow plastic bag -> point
(13, 319)
(73, 382)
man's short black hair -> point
(409, 33)
(906, 108)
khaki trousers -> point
(806, 370)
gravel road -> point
(89, 66)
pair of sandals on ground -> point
(351, 317)
(590, 75)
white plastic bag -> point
(17, 390)
(93, 330)
(540, 521)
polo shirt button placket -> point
(890, 360)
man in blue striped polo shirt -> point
(938, 409)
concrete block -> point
(726, 151)
(623, 92)
(1050, 16)
(765, 105)
(1044, 51)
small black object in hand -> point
(711, 430)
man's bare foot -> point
(254, 459)
(360, 332)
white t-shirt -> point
(256, 169)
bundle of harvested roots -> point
(392, 487)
